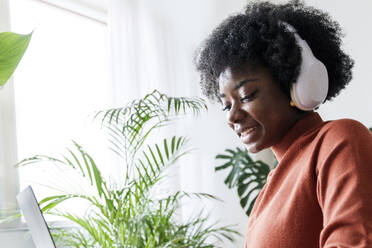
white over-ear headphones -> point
(311, 87)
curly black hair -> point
(258, 37)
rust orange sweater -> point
(320, 194)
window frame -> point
(9, 185)
(92, 9)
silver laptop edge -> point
(34, 218)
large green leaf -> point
(12, 49)
(246, 175)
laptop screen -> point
(34, 218)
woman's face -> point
(256, 109)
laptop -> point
(36, 223)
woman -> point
(257, 65)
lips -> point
(245, 131)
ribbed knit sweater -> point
(320, 194)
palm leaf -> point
(140, 117)
(159, 158)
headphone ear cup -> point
(311, 88)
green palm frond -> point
(78, 160)
(71, 238)
(246, 175)
(157, 157)
(139, 118)
(153, 105)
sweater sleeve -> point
(344, 185)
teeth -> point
(247, 131)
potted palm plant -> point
(127, 213)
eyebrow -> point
(240, 84)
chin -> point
(252, 148)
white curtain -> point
(139, 49)
(152, 44)
(8, 145)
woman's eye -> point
(248, 98)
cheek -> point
(269, 115)
(259, 110)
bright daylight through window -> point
(63, 80)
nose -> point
(235, 115)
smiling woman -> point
(256, 109)
(269, 69)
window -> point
(62, 79)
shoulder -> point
(345, 130)
(344, 140)
(344, 137)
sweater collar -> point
(303, 125)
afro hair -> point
(258, 37)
